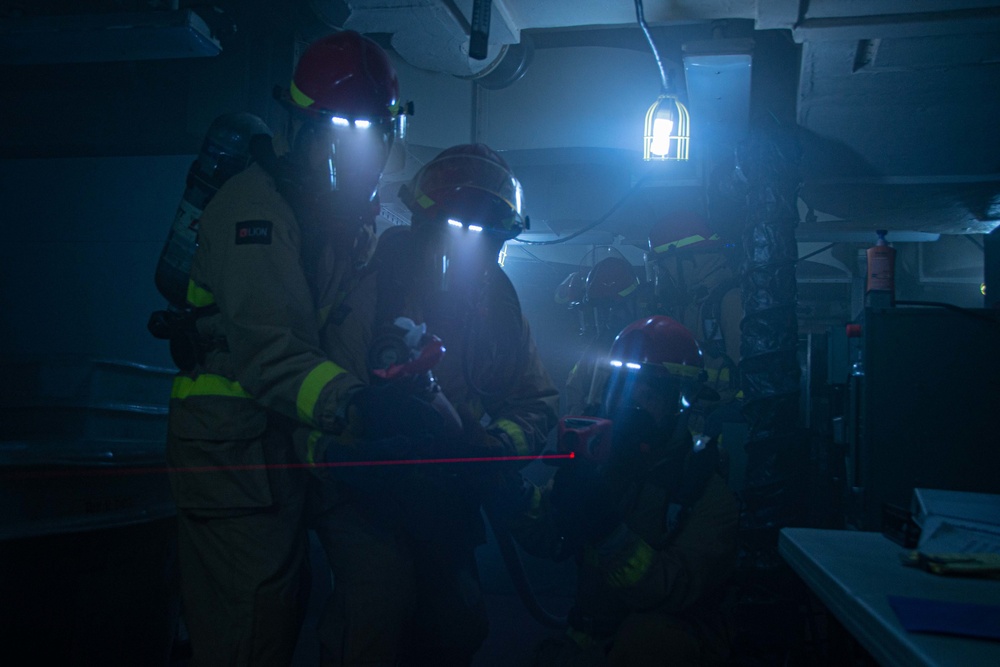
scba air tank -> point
(224, 153)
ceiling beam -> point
(959, 22)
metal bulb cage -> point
(680, 136)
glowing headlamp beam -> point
(359, 123)
(460, 225)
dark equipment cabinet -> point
(926, 410)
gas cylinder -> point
(880, 288)
(224, 153)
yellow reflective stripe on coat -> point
(717, 375)
(207, 385)
(634, 568)
(199, 297)
(324, 313)
(581, 638)
(311, 441)
(535, 505)
(311, 387)
(516, 435)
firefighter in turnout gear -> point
(695, 281)
(401, 539)
(651, 524)
(278, 247)
(609, 303)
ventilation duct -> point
(83, 38)
(435, 36)
(718, 84)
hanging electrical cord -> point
(649, 38)
(617, 205)
(549, 265)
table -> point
(852, 572)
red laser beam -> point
(107, 472)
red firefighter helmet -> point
(611, 280)
(659, 345)
(468, 186)
(345, 92)
(658, 352)
(682, 230)
(345, 75)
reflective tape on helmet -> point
(207, 385)
(424, 201)
(683, 370)
(299, 97)
(311, 388)
(635, 567)
(628, 290)
(697, 238)
(516, 435)
(199, 297)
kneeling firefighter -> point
(278, 245)
(401, 539)
(648, 519)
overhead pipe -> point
(479, 29)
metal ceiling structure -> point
(896, 102)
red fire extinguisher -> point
(224, 153)
(880, 288)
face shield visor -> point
(665, 395)
(343, 155)
(470, 190)
(465, 207)
(460, 254)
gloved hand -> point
(475, 439)
(586, 507)
(396, 408)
